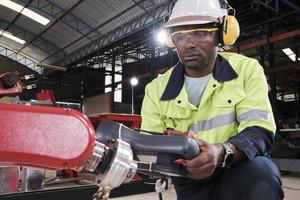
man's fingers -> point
(201, 143)
(200, 160)
(201, 172)
(191, 134)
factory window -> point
(286, 97)
(108, 81)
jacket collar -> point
(222, 72)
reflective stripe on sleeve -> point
(254, 114)
(215, 122)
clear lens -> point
(195, 35)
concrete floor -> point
(291, 186)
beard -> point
(196, 64)
(199, 61)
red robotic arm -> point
(56, 138)
(46, 137)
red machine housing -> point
(47, 137)
(11, 91)
(46, 95)
(129, 120)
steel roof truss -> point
(125, 30)
(270, 4)
(20, 58)
(40, 43)
(53, 10)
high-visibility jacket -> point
(236, 97)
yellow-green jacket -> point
(234, 107)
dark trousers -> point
(258, 179)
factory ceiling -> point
(63, 33)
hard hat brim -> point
(190, 20)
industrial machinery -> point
(11, 85)
(56, 138)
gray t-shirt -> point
(195, 88)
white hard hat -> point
(190, 12)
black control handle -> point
(178, 146)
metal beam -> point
(291, 5)
(137, 49)
(272, 5)
(263, 42)
(49, 27)
(101, 25)
(52, 67)
(283, 69)
(53, 10)
(274, 19)
(140, 4)
(39, 43)
(259, 53)
(140, 22)
(13, 55)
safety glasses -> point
(195, 35)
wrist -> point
(228, 155)
(221, 153)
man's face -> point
(196, 48)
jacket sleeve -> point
(253, 141)
(151, 117)
(254, 114)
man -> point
(222, 98)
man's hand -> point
(206, 162)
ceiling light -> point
(289, 52)
(27, 12)
(12, 37)
(162, 36)
(36, 17)
(134, 81)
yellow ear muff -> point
(231, 30)
(169, 42)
